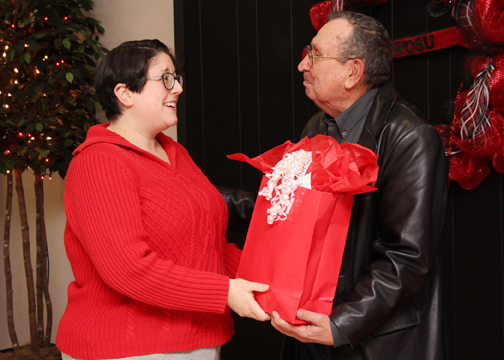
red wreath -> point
(476, 136)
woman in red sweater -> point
(145, 233)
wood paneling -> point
(243, 93)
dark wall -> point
(243, 93)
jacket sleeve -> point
(103, 207)
(409, 209)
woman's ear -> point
(356, 73)
(123, 94)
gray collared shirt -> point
(347, 126)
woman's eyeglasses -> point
(169, 79)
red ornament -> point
(497, 158)
(319, 14)
(469, 171)
(481, 23)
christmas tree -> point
(48, 54)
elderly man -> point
(388, 301)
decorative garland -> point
(476, 135)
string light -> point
(15, 81)
(4, 54)
(26, 45)
(37, 71)
(16, 70)
(46, 18)
(6, 47)
(20, 134)
(32, 138)
(50, 177)
(8, 171)
(48, 138)
(42, 177)
(46, 160)
(6, 106)
(9, 94)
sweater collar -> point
(100, 134)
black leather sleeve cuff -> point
(338, 337)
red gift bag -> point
(300, 255)
(299, 258)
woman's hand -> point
(241, 299)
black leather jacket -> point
(388, 299)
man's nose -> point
(304, 65)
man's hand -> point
(317, 331)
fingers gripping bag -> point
(299, 225)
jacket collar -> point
(378, 115)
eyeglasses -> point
(311, 56)
(169, 79)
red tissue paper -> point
(297, 234)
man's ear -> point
(356, 73)
(123, 94)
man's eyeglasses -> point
(311, 56)
(169, 79)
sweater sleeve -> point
(103, 211)
(233, 256)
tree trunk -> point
(32, 310)
(7, 266)
(42, 268)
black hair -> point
(370, 42)
(126, 64)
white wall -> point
(123, 20)
(60, 271)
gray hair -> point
(370, 42)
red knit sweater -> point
(146, 242)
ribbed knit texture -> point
(146, 242)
